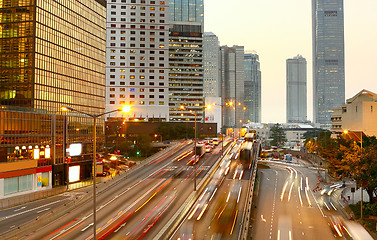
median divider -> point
(169, 229)
(246, 218)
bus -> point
(288, 157)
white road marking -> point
(87, 227)
(43, 210)
(263, 220)
(16, 210)
(17, 214)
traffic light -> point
(137, 153)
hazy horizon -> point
(278, 30)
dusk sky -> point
(278, 30)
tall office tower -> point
(296, 90)
(328, 59)
(232, 81)
(253, 88)
(211, 54)
(137, 58)
(52, 54)
(186, 60)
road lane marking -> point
(17, 214)
(82, 230)
(43, 210)
(16, 210)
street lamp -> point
(361, 188)
(183, 108)
(124, 109)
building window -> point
(122, 83)
(132, 96)
(112, 83)
(112, 89)
(122, 89)
(160, 96)
(161, 103)
(142, 96)
(112, 95)
(122, 96)
(112, 102)
(151, 103)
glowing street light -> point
(125, 109)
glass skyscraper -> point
(186, 11)
(52, 53)
(296, 90)
(328, 59)
(232, 84)
(186, 60)
(253, 88)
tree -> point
(278, 135)
(350, 161)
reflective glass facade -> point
(186, 10)
(328, 59)
(186, 72)
(53, 53)
(296, 90)
(253, 88)
(233, 86)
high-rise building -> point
(52, 54)
(253, 88)
(186, 60)
(233, 86)
(137, 60)
(211, 61)
(296, 90)
(328, 59)
(186, 11)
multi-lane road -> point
(139, 203)
(157, 200)
(286, 207)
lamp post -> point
(124, 109)
(183, 108)
(361, 187)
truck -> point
(200, 149)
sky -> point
(281, 29)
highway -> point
(137, 204)
(286, 207)
(219, 211)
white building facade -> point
(358, 114)
(211, 61)
(137, 58)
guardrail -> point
(246, 217)
(174, 222)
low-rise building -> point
(359, 113)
